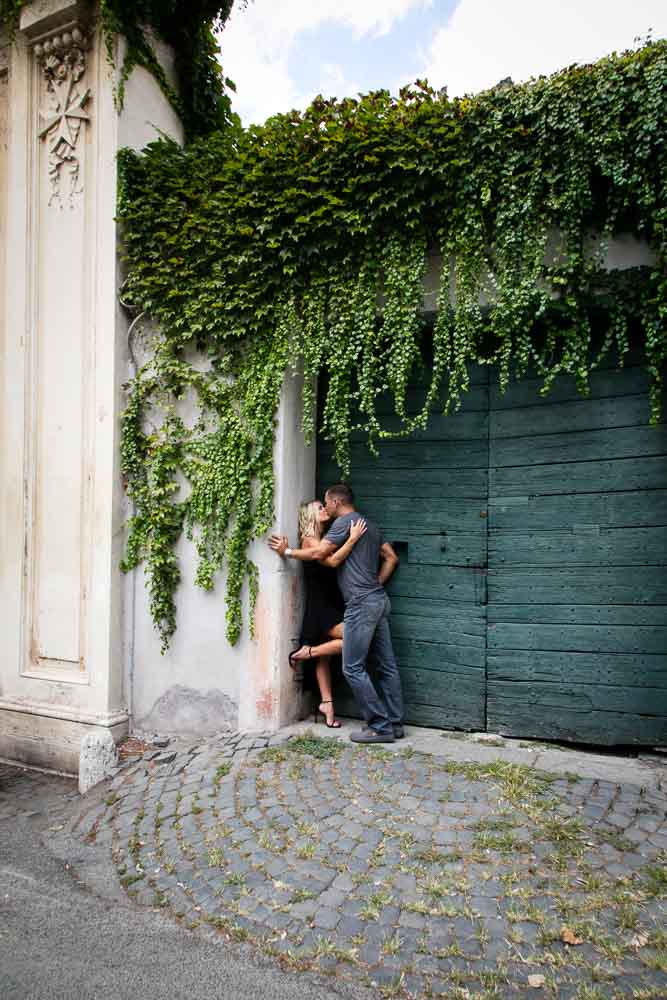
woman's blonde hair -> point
(309, 526)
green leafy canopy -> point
(303, 241)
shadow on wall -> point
(187, 711)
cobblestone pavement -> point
(26, 794)
(400, 870)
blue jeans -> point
(367, 630)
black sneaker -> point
(399, 732)
(369, 735)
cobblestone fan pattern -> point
(419, 876)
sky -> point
(283, 53)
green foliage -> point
(305, 240)
(202, 100)
(10, 12)
(308, 745)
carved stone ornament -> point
(63, 61)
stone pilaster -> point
(60, 645)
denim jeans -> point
(367, 630)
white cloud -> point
(488, 40)
(257, 43)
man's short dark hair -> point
(342, 492)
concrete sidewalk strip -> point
(436, 866)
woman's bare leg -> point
(323, 674)
(333, 647)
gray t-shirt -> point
(358, 574)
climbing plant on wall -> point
(202, 99)
(304, 241)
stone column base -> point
(40, 736)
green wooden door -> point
(577, 614)
(428, 494)
(572, 643)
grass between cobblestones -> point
(405, 872)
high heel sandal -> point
(330, 725)
(292, 661)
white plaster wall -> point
(202, 684)
(146, 111)
(4, 123)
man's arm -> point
(388, 562)
(315, 553)
(357, 529)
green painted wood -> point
(579, 477)
(577, 624)
(444, 688)
(477, 398)
(465, 426)
(436, 654)
(469, 716)
(572, 494)
(599, 585)
(451, 582)
(623, 509)
(374, 484)
(593, 638)
(442, 628)
(532, 712)
(573, 696)
(611, 383)
(444, 549)
(436, 454)
(566, 667)
(584, 545)
(579, 446)
(577, 415)
(579, 614)
(427, 514)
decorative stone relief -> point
(63, 61)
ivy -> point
(303, 243)
(202, 98)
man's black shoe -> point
(399, 732)
(369, 735)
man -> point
(366, 616)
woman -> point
(322, 626)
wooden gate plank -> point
(599, 585)
(614, 382)
(623, 509)
(580, 477)
(579, 614)
(579, 446)
(451, 582)
(526, 709)
(628, 670)
(579, 637)
(576, 415)
(601, 547)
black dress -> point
(324, 603)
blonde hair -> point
(309, 526)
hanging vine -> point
(305, 241)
